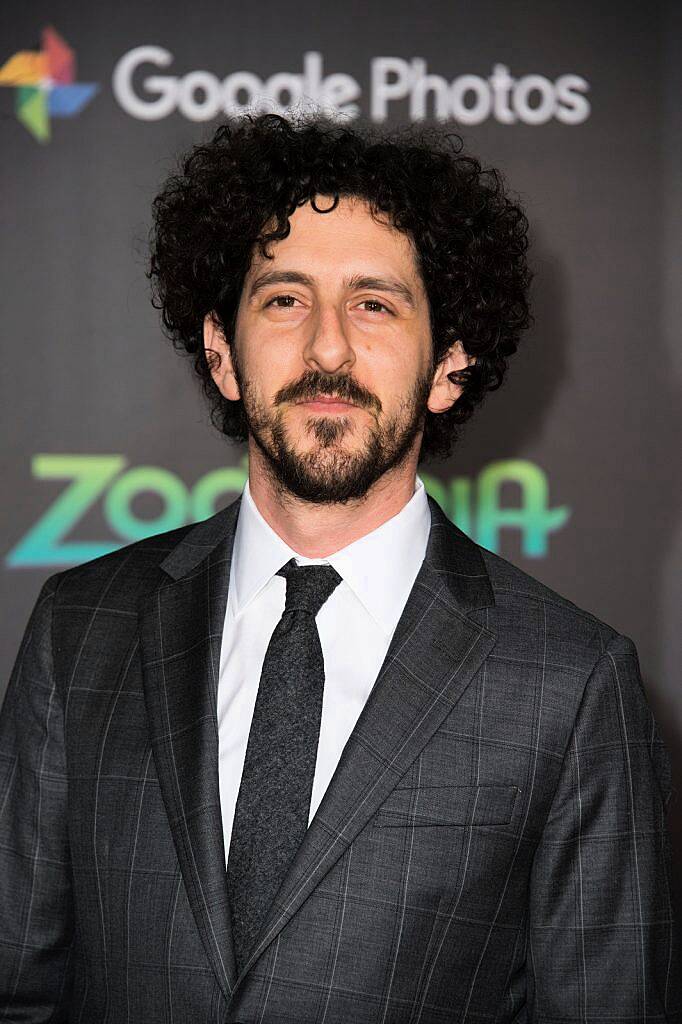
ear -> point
(219, 358)
(444, 393)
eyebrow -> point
(355, 283)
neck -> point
(319, 530)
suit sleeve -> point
(603, 942)
(36, 921)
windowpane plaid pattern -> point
(492, 847)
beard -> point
(329, 472)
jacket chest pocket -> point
(447, 805)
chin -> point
(325, 433)
(334, 448)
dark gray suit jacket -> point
(492, 847)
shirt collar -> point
(379, 568)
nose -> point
(329, 348)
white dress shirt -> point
(355, 625)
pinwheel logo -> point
(45, 84)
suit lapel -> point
(433, 655)
(181, 625)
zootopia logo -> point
(108, 482)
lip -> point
(328, 404)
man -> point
(321, 757)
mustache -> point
(314, 383)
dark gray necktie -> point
(273, 804)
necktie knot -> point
(308, 586)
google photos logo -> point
(45, 84)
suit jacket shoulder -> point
(522, 599)
(127, 572)
(102, 597)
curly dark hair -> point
(470, 238)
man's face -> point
(332, 353)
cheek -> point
(391, 375)
(266, 367)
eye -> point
(287, 301)
(375, 302)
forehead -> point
(335, 239)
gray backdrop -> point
(569, 470)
